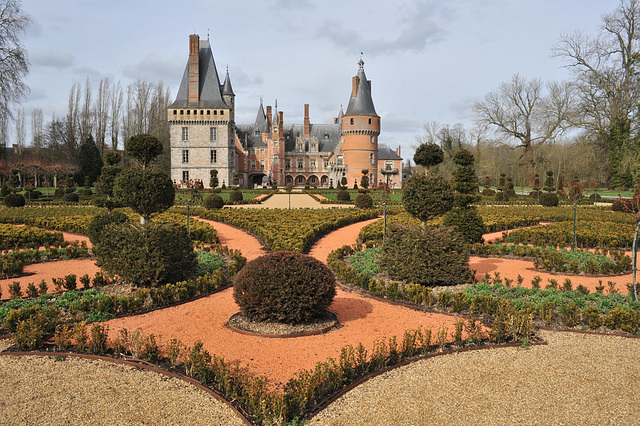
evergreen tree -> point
(89, 160)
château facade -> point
(204, 136)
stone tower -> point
(201, 120)
(360, 127)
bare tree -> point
(527, 113)
(86, 114)
(37, 130)
(102, 113)
(20, 132)
(605, 70)
(117, 99)
(72, 128)
(4, 135)
(14, 63)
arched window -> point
(300, 180)
(372, 158)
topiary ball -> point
(343, 195)
(235, 196)
(284, 286)
(549, 199)
(488, 192)
(213, 202)
(14, 200)
(100, 221)
(364, 201)
(71, 198)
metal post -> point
(188, 221)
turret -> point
(360, 127)
(228, 96)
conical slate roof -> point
(227, 89)
(362, 103)
(210, 94)
(261, 120)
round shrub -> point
(467, 221)
(14, 200)
(33, 195)
(511, 192)
(488, 192)
(425, 197)
(71, 198)
(364, 201)
(618, 206)
(4, 190)
(431, 256)
(535, 194)
(595, 197)
(549, 199)
(146, 255)
(100, 222)
(58, 193)
(343, 195)
(235, 195)
(146, 191)
(284, 286)
(213, 201)
(85, 191)
(501, 196)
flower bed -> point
(12, 237)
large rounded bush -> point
(488, 192)
(146, 191)
(71, 198)
(619, 206)
(343, 195)
(549, 199)
(146, 255)
(100, 222)
(284, 286)
(425, 197)
(14, 200)
(213, 202)
(364, 201)
(431, 256)
(467, 221)
(235, 195)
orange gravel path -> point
(363, 320)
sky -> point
(428, 60)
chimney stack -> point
(354, 83)
(269, 117)
(398, 151)
(281, 123)
(194, 68)
(307, 126)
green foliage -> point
(549, 199)
(143, 148)
(146, 191)
(146, 255)
(207, 262)
(428, 155)
(213, 179)
(111, 158)
(100, 221)
(425, 255)
(213, 201)
(364, 201)
(425, 197)
(14, 200)
(107, 179)
(12, 236)
(89, 159)
(235, 195)
(366, 261)
(549, 183)
(71, 197)
(343, 195)
(284, 286)
(467, 222)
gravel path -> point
(576, 379)
(43, 391)
(298, 201)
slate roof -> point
(226, 88)
(386, 153)
(210, 88)
(362, 103)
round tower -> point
(360, 127)
(229, 97)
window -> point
(340, 160)
(253, 164)
(313, 180)
(262, 164)
(313, 147)
(188, 112)
(313, 164)
(300, 163)
(257, 132)
(369, 121)
(214, 156)
(373, 139)
(388, 165)
(208, 112)
(262, 152)
(372, 158)
(213, 134)
(215, 112)
(185, 175)
(185, 133)
(185, 155)
(300, 148)
(287, 163)
(300, 180)
(351, 121)
(175, 112)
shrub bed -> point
(12, 236)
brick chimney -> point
(281, 123)
(269, 117)
(194, 68)
(307, 126)
(354, 86)
(398, 151)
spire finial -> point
(207, 34)
(361, 62)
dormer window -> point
(326, 136)
(351, 121)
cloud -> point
(239, 78)
(88, 72)
(153, 67)
(288, 5)
(36, 94)
(48, 58)
(399, 124)
(463, 108)
(423, 23)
